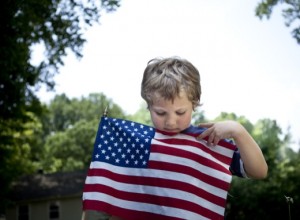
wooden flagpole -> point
(83, 215)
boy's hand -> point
(219, 130)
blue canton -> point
(123, 143)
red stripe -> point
(159, 182)
(174, 141)
(152, 199)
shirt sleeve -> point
(237, 165)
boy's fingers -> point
(203, 134)
(206, 125)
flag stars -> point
(123, 143)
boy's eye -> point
(180, 113)
(160, 113)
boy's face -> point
(171, 116)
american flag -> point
(138, 172)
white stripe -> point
(161, 174)
(157, 191)
(139, 206)
(194, 150)
(218, 148)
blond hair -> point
(167, 77)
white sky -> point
(247, 66)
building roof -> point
(45, 186)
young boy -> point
(171, 88)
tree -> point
(290, 11)
(57, 25)
(70, 130)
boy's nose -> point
(170, 122)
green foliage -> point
(71, 149)
(265, 199)
(19, 155)
(290, 11)
(65, 112)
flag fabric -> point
(138, 172)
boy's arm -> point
(252, 157)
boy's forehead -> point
(160, 99)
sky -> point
(248, 66)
